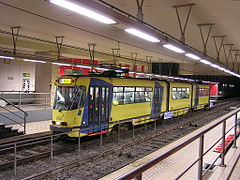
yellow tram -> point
(94, 101)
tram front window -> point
(68, 98)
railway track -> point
(124, 152)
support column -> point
(91, 49)
(205, 39)
(226, 49)
(140, 9)
(218, 42)
(149, 63)
(183, 27)
(59, 41)
(234, 52)
(115, 54)
(15, 33)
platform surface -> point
(174, 165)
(35, 127)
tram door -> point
(98, 108)
(196, 96)
(157, 100)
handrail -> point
(24, 118)
(139, 170)
(14, 105)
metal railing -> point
(22, 118)
(27, 98)
(139, 172)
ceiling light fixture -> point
(101, 69)
(205, 61)
(192, 56)
(173, 48)
(83, 11)
(6, 57)
(32, 60)
(81, 66)
(215, 66)
(61, 64)
(142, 35)
(149, 75)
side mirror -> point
(2, 103)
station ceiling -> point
(43, 20)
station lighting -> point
(101, 69)
(81, 66)
(118, 71)
(32, 60)
(192, 56)
(215, 66)
(142, 35)
(62, 64)
(83, 11)
(205, 61)
(149, 74)
(6, 57)
(173, 48)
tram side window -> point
(130, 95)
(203, 92)
(118, 97)
(180, 93)
(148, 94)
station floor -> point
(35, 127)
(171, 167)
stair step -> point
(6, 129)
(9, 131)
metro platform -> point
(177, 163)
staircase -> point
(11, 117)
(8, 131)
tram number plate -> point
(168, 115)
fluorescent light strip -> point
(32, 60)
(81, 66)
(173, 48)
(118, 71)
(142, 35)
(83, 11)
(149, 74)
(215, 66)
(6, 57)
(61, 64)
(192, 56)
(101, 69)
(205, 61)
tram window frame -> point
(132, 90)
(203, 92)
(178, 93)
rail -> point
(138, 172)
(28, 98)
(23, 117)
